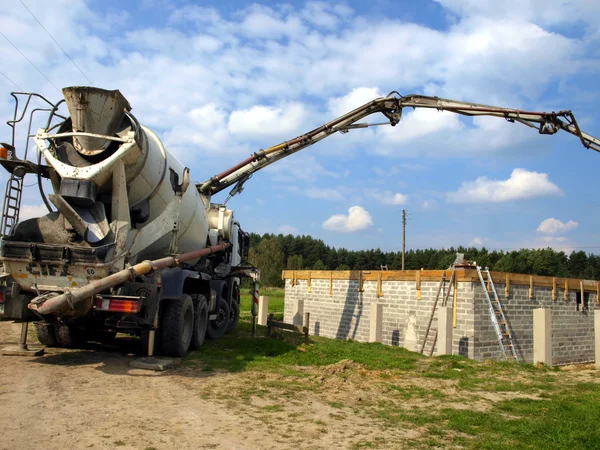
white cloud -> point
(287, 229)
(357, 219)
(267, 121)
(299, 167)
(521, 185)
(387, 197)
(31, 211)
(554, 226)
(476, 242)
(357, 97)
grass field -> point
(445, 401)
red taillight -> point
(1, 296)
(113, 305)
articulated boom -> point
(391, 107)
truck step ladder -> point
(12, 204)
(497, 316)
(445, 295)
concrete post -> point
(263, 310)
(375, 322)
(298, 318)
(445, 328)
(597, 341)
(542, 336)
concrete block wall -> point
(345, 314)
(572, 330)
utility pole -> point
(403, 235)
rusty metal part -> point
(67, 300)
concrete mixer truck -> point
(107, 256)
(121, 204)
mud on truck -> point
(129, 243)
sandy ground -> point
(93, 399)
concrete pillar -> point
(597, 341)
(542, 336)
(298, 318)
(263, 310)
(445, 328)
(375, 322)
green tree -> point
(269, 259)
(295, 262)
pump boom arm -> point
(391, 107)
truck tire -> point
(200, 321)
(177, 325)
(234, 316)
(217, 328)
(45, 333)
(69, 336)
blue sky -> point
(220, 80)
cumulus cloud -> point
(355, 98)
(387, 197)
(357, 219)
(554, 226)
(521, 185)
(267, 121)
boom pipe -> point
(68, 299)
(391, 107)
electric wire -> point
(56, 42)
(30, 62)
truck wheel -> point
(69, 336)
(177, 325)
(45, 333)
(216, 328)
(234, 316)
(200, 322)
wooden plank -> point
(379, 292)
(418, 284)
(530, 287)
(463, 275)
(309, 283)
(566, 289)
(553, 289)
(507, 285)
(285, 326)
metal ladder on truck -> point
(497, 316)
(12, 204)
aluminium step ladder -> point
(12, 204)
(503, 333)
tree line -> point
(273, 253)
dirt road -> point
(93, 399)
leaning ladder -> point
(497, 316)
(12, 204)
(445, 296)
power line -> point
(12, 82)
(18, 87)
(59, 46)
(30, 62)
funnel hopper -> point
(97, 111)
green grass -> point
(517, 405)
(276, 297)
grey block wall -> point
(572, 329)
(345, 315)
